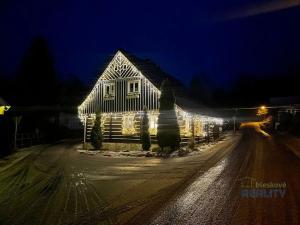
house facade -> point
(124, 87)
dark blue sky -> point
(221, 39)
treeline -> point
(36, 82)
(248, 90)
(37, 94)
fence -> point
(28, 139)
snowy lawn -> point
(135, 150)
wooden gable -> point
(119, 67)
(119, 73)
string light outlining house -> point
(128, 84)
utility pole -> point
(84, 131)
(17, 120)
(234, 121)
(233, 124)
(193, 127)
(110, 127)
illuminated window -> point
(153, 124)
(188, 124)
(133, 87)
(109, 90)
(128, 124)
(2, 109)
(198, 127)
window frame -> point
(111, 90)
(133, 83)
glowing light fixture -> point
(262, 110)
(3, 109)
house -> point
(289, 104)
(285, 110)
(124, 87)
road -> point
(57, 185)
(215, 197)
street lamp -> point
(262, 110)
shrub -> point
(192, 143)
(145, 135)
(168, 134)
(96, 133)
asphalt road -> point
(258, 182)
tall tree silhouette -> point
(168, 134)
(72, 91)
(200, 89)
(145, 135)
(37, 82)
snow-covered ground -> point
(120, 150)
(55, 184)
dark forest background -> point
(39, 98)
(37, 83)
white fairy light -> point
(119, 71)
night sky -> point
(221, 39)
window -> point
(198, 127)
(186, 126)
(133, 87)
(109, 90)
(128, 127)
(153, 124)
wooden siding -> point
(121, 102)
(118, 74)
(112, 129)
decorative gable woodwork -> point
(121, 88)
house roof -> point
(189, 105)
(156, 76)
(153, 72)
